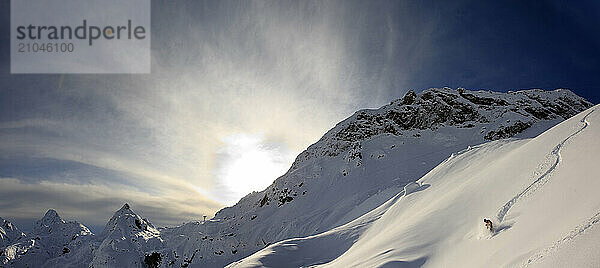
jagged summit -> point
(409, 98)
(52, 223)
(123, 214)
(120, 215)
(51, 216)
(5, 224)
(125, 240)
(125, 209)
(46, 224)
(51, 213)
(125, 219)
(9, 233)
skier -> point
(488, 225)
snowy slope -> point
(366, 159)
(353, 169)
(541, 194)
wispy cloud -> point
(94, 204)
(284, 72)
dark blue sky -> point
(498, 45)
(274, 74)
(504, 45)
(518, 44)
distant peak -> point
(125, 209)
(51, 214)
(5, 223)
(50, 217)
(126, 219)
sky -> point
(239, 88)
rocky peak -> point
(409, 98)
(127, 220)
(45, 224)
(9, 233)
(125, 209)
(6, 225)
(50, 217)
(501, 115)
(125, 240)
(52, 222)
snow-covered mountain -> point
(357, 167)
(369, 157)
(540, 193)
(9, 233)
(125, 239)
(50, 238)
(123, 243)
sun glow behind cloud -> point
(249, 163)
(236, 92)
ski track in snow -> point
(570, 236)
(544, 177)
